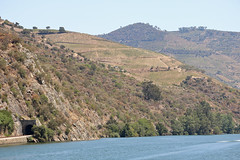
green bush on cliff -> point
(6, 122)
(42, 133)
(128, 131)
(144, 127)
(161, 129)
(151, 91)
(2, 64)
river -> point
(212, 147)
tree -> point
(151, 91)
(62, 30)
(177, 128)
(62, 46)
(16, 24)
(113, 128)
(161, 129)
(2, 64)
(227, 124)
(48, 27)
(34, 27)
(128, 131)
(6, 122)
(26, 31)
(144, 127)
(42, 133)
(191, 124)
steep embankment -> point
(216, 52)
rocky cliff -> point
(60, 89)
(22, 89)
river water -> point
(214, 147)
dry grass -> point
(135, 61)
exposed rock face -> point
(80, 130)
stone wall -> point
(14, 140)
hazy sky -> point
(103, 16)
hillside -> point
(216, 52)
(81, 87)
(139, 63)
(182, 86)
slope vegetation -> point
(182, 86)
(142, 64)
(216, 52)
(81, 87)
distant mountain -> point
(216, 52)
(134, 34)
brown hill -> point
(216, 52)
(182, 86)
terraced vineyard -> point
(140, 63)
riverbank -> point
(208, 147)
(14, 140)
(20, 140)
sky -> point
(103, 16)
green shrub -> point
(128, 131)
(22, 85)
(43, 99)
(28, 103)
(2, 64)
(14, 91)
(4, 98)
(161, 129)
(26, 31)
(151, 91)
(6, 122)
(42, 133)
(19, 56)
(93, 67)
(82, 67)
(62, 46)
(8, 38)
(62, 30)
(15, 65)
(59, 75)
(177, 128)
(202, 121)
(67, 131)
(56, 87)
(118, 85)
(40, 77)
(53, 124)
(22, 72)
(144, 127)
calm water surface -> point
(218, 147)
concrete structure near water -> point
(26, 132)
(14, 140)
